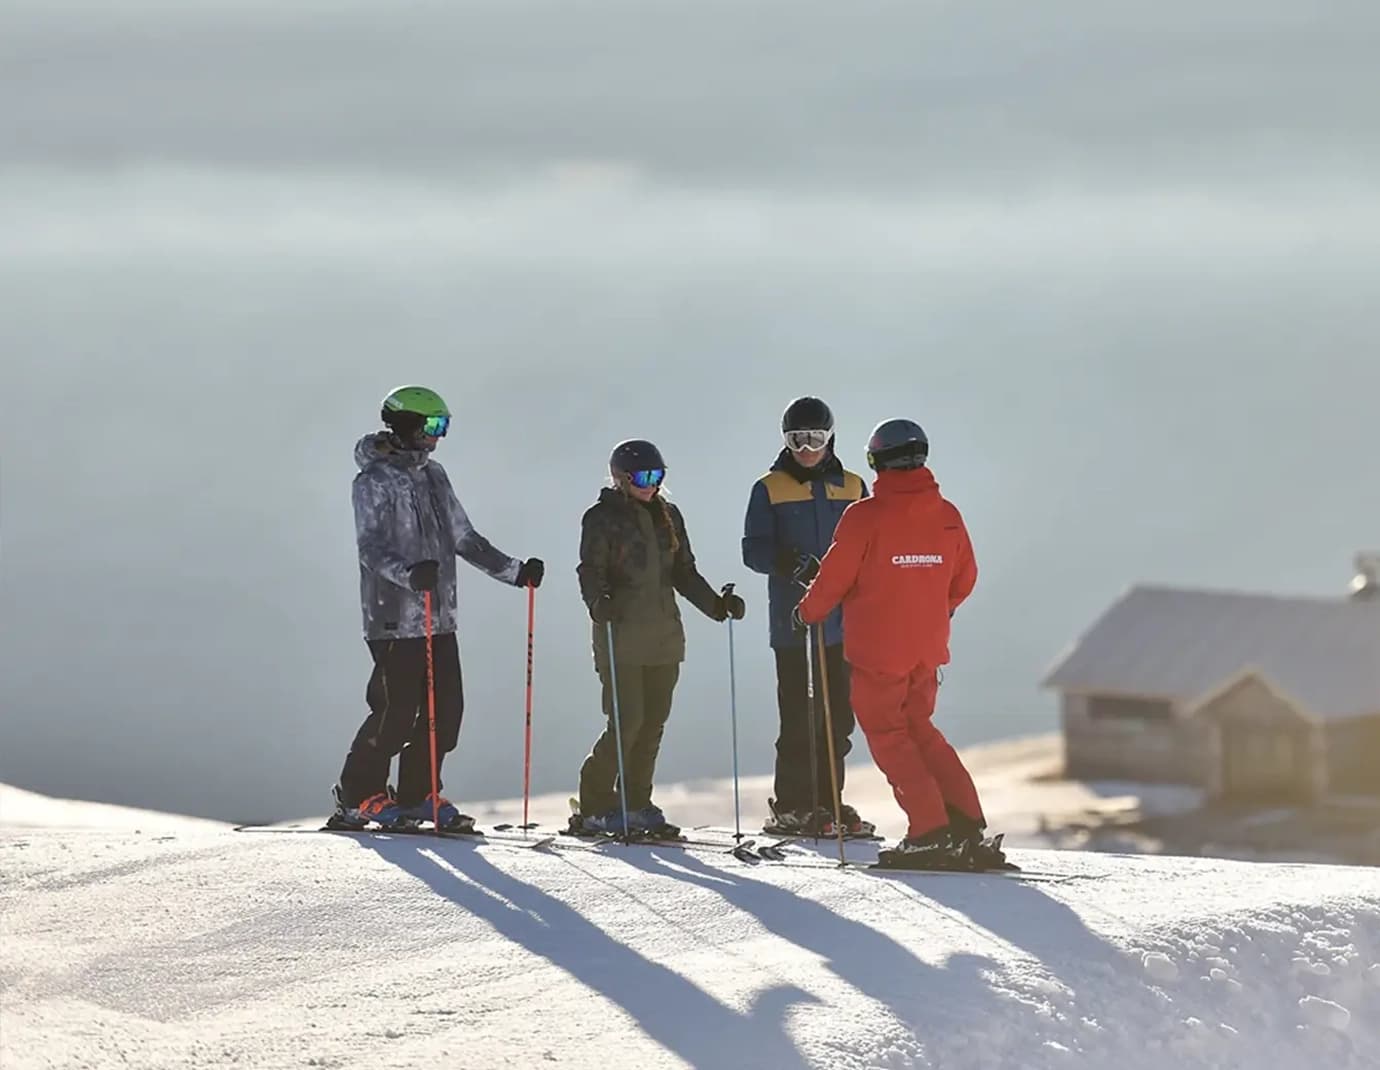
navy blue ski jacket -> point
(794, 510)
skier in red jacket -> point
(901, 563)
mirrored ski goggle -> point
(807, 440)
(436, 426)
(648, 477)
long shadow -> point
(1105, 983)
(937, 1005)
(1027, 917)
(671, 1010)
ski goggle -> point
(807, 440)
(648, 477)
(436, 426)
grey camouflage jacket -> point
(406, 511)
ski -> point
(999, 874)
(872, 869)
(603, 839)
(893, 860)
(745, 849)
(503, 837)
(772, 852)
(475, 836)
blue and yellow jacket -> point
(795, 510)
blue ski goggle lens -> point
(436, 426)
(648, 477)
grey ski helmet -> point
(898, 443)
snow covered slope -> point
(187, 944)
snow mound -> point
(28, 809)
(207, 947)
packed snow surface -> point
(141, 940)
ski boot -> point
(933, 851)
(854, 827)
(985, 853)
(605, 824)
(445, 815)
(979, 852)
(783, 822)
(380, 808)
(650, 823)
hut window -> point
(1115, 708)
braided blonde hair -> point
(670, 524)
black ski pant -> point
(794, 784)
(644, 703)
(398, 719)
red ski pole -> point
(527, 744)
(431, 716)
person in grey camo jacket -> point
(410, 526)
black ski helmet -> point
(634, 455)
(898, 444)
(807, 414)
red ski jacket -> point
(901, 563)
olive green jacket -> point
(625, 550)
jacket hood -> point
(384, 446)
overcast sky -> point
(1121, 262)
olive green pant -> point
(644, 703)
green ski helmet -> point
(416, 410)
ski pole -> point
(527, 741)
(733, 716)
(618, 734)
(431, 716)
(829, 739)
(814, 744)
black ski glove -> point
(797, 564)
(601, 612)
(531, 573)
(731, 605)
(423, 575)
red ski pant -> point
(924, 771)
